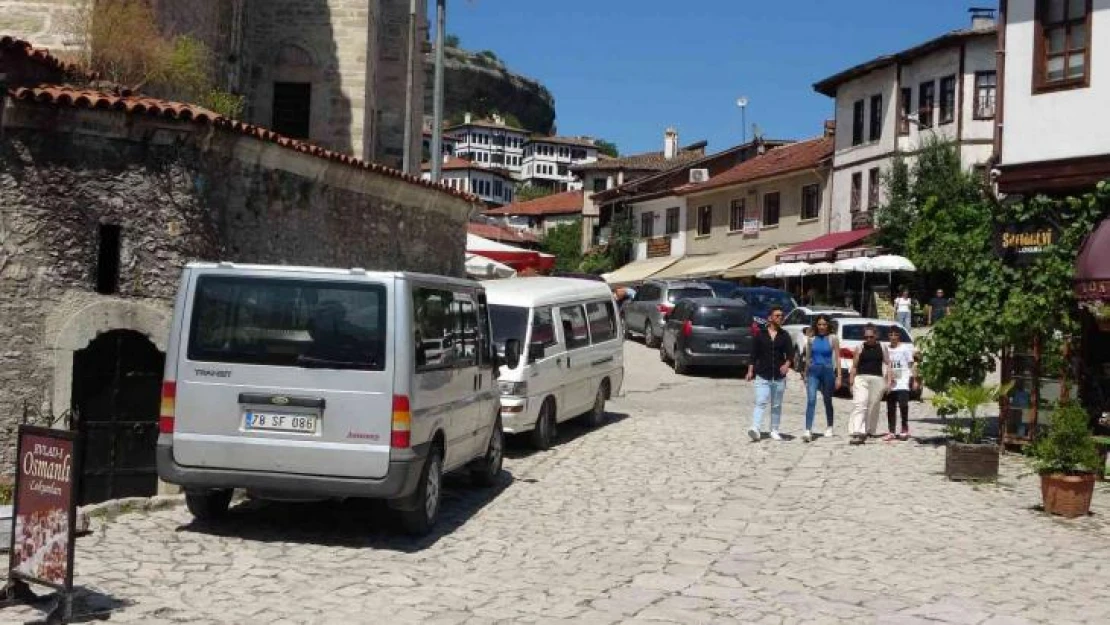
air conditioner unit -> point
(698, 176)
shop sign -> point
(44, 512)
(1022, 244)
(1093, 290)
(751, 226)
(659, 246)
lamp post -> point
(742, 102)
(437, 96)
(408, 166)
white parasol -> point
(483, 268)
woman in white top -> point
(903, 374)
(903, 309)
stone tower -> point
(330, 71)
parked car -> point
(850, 332)
(327, 383)
(706, 331)
(802, 317)
(721, 288)
(563, 356)
(655, 299)
(762, 298)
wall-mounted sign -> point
(1093, 290)
(658, 246)
(751, 226)
(1021, 244)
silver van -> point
(327, 383)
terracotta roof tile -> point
(774, 162)
(557, 204)
(41, 56)
(455, 163)
(648, 161)
(58, 95)
(503, 234)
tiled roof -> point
(19, 47)
(828, 86)
(774, 162)
(649, 161)
(575, 141)
(455, 163)
(73, 97)
(556, 204)
(503, 234)
(486, 123)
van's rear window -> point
(288, 323)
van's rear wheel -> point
(649, 336)
(596, 416)
(209, 505)
(488, 468)
(544, 432)
(422, 518)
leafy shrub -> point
(1067, 446)
(967, 399)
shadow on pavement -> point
(88, 605)
(519, 446)
(350, 523)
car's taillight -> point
(755, 329)
(401, 428)
(846, 352)
(688, 328)
(665, 307)
(169, 407)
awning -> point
(515, 257)
(824, 247)
(717, 264)
(1092, 267)
(752, 267)
(638, 270)
(683, 267)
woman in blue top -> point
(822, 371)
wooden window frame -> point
(859, 121)
(736, 224)
(815, 191)
(905, 109)
(647, 225)
(926, 120)
(874, 188)
(942, 106)
(856, 197)
(875, 118)
(1040, 52)
(705, 218)
(672, 220)
(778, 209)
(975, 89)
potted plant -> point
(968, 455)
(1067, 459)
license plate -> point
(722, 346)
(280, 422)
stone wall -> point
(180, 191)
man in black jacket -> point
(772, 354)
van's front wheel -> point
(209, 505)
(596, 416)
(543, 434)
(422, 518)
(488, 468)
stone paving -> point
(666, 514)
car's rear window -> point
(288, 323)
(676, 294)
(854, 332)
(723, 316)
(767, 300)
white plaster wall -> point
(879, 82)
(659, 207)
(980, 57)
(1060, 124)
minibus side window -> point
(446, 328)
(603, 321)
(575, 329)
(543, 328)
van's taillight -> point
(846, 352)
(688, 328)
(665, 308)
(169, 407)
(401, 429)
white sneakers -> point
(807, 436)
(829, 433)
(775, 435)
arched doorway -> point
(117, 382)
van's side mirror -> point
(536, 351)
(512, 352)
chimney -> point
(670, 144)
(830, 127)
(466, 118)
(446, 157)
(982, 18)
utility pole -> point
(437, 97)
(408, 166)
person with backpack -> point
(821, 371)
(869, 379)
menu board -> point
(45, 507)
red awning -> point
(824, 247)
(1092, 268)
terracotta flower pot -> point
(1067, 495)
(963, 461)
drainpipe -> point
(437, 97)
(1000, 80)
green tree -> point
(607, 147)
(451, 41)
(895, 218)
(565, 242)
(527, 192)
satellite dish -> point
(742, 102)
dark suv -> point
(655, 299)
(708, 331)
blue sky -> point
(626, 69)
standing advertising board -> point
(44, 516)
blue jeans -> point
(768, 392)
(905, 318)
(821, 377)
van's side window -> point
(575, 330)
(446, 329)
(484, 352)
(603, 321)
(543, 328)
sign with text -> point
(45, 506)
(751, 226)
(1022, 244)
(1093, 290)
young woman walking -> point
(821, 372)
(870, 376)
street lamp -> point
(743, 104)
(437, 96)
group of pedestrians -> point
(878, 371)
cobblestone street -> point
(668, 513)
